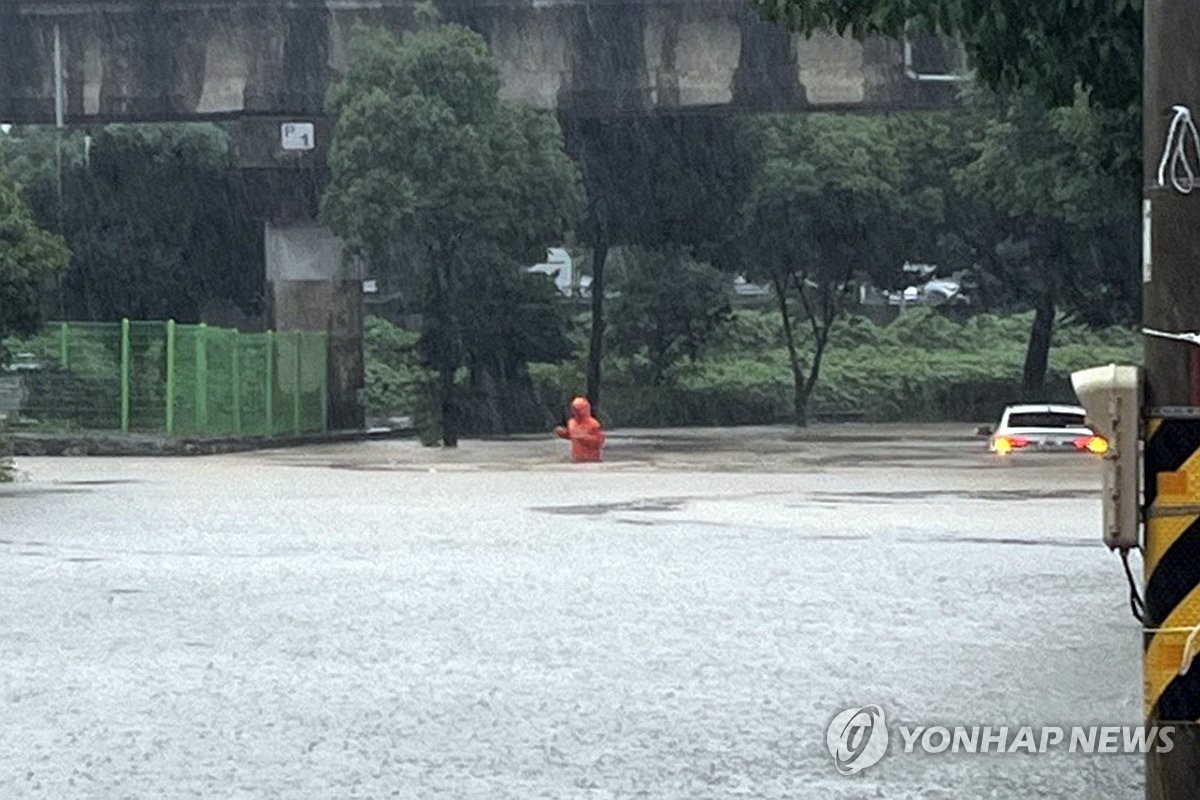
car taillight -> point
(1006, 444)
(1093, 444)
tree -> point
(669, 306)
(829, 203)
(435, 180)
(156, 217)
(1053, 46)
(163, 227)
(512, 321)
(653, 181)
(1055, 217)
(1083, 59)
(30, 262)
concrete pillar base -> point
(311, 285)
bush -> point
(926, 329)
(668, 308)
(396, 382)
(749, 332)
(923, 366)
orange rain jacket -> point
(583, 430)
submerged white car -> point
(1045, 428)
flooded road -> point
(378, 620)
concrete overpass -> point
(131, 60)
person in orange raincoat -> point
(583, 430)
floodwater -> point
(378, 620)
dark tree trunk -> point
(448, 406)
(1037, 356)
(799, 384)
(596, 347)
(442, 330)
(814, 374)
(491, 391)
(821, 329)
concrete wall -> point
(136, 60)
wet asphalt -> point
(683, 621)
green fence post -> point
(298, 340)
(270, 394)
(64, 354)
(324, 383)
(170, 391)
(201, 380)
(125, 375)
(235, 356)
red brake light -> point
(1006, 444)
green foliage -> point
(438, 185)
(1070, 167)
(1048, 205)
(428, 164)
(1038, 203)
(513, 321)
(830, 197)
(855, 331)
(669, 307)
(923, 366)
(750, 332)
(399, 384)
(157, 218)
(30, 262)
(1051, 45)
(925, 328)
(448, 62)
(396, 382)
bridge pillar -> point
(311, 284)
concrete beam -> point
(127, 60)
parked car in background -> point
(1055, 428)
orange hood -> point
(581, 409)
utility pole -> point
(1171, 414)
(60, 105)
(59, 117)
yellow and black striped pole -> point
(1171, 273)
(1172, 603)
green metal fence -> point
(182, 380)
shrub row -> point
(922, 366)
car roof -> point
(1045, 409)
